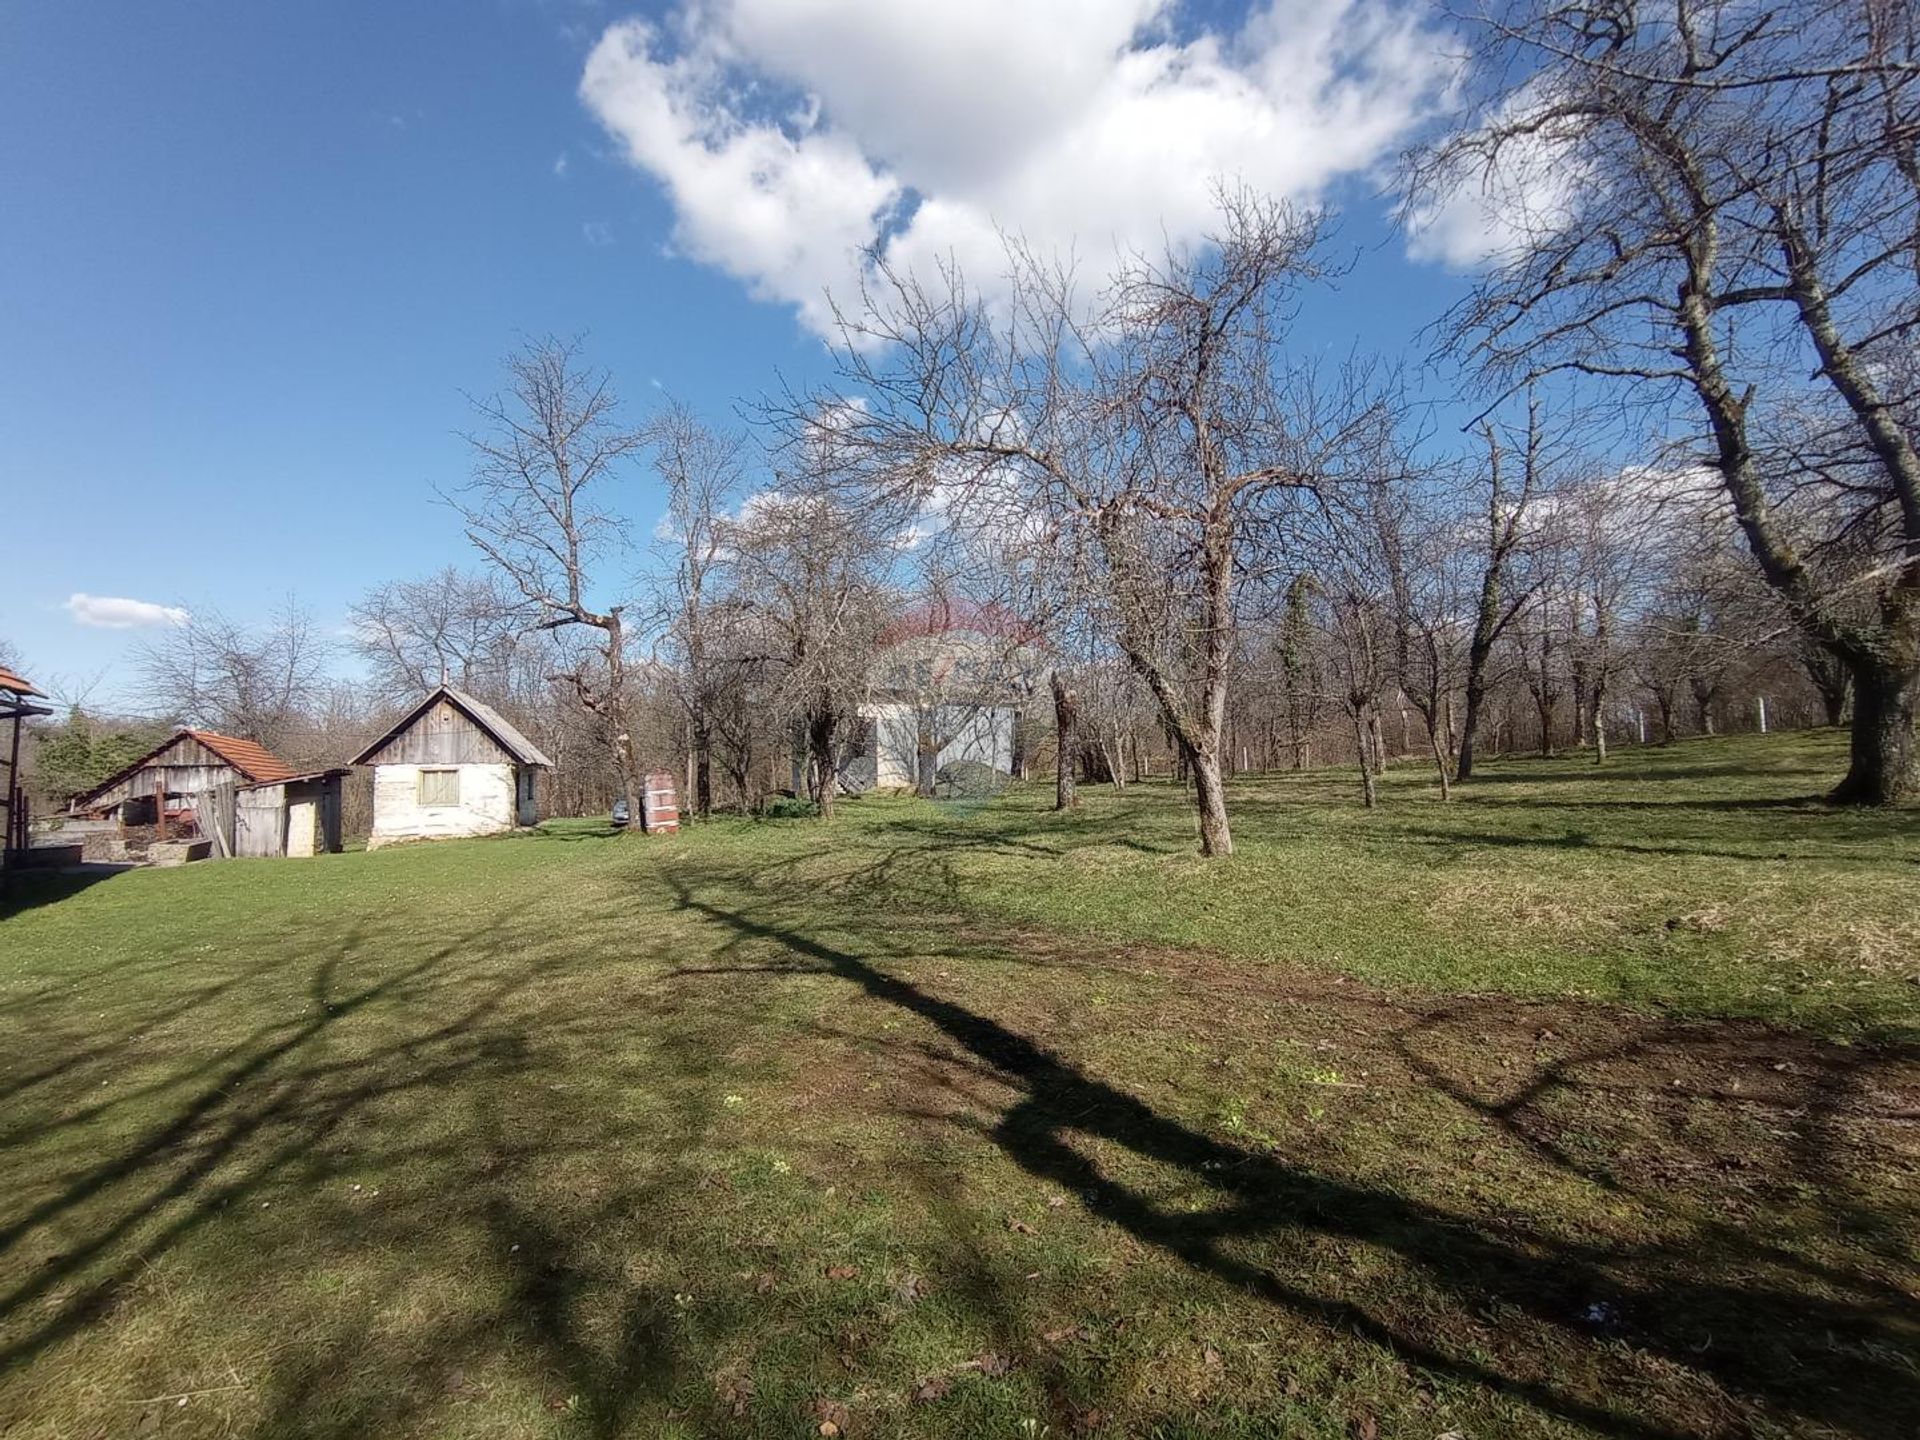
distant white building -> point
(949, 686)
(452, 767)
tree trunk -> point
(632, 788)
(1882, 769)
(702, 767)
(1210, 794)
(1599, 733)
(1835, 704)
(1440, 762)
(1369, 793)
(614, 706)
(1065, 743)
(1476, 700)
(820, 775)
(1831, 678)
(926, 757)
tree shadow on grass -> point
(1818, 1359)
(256, 1109)
(23, 890)
(219, 1160)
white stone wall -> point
(486, 806)
(303, 820)
(979, 733)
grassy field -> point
(1585, 1105)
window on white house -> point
(439, 787)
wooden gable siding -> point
(185, 767)
(442, 735)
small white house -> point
(949, 684)
(452, 767)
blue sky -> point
(251, 256)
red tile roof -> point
(249, 757)
(11, 681)
(939, 615)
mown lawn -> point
(1584, 1105)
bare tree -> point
(1539, 655)
(703, 471)
(1302, 670)
(1358, 622)
(252, 681)
(1421, 557)
(1507, 516)
(810, 578)
(450, 627)
(1165, 444)
(1740, 233)
(536, 508)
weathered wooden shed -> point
(296, 817)
(453, 766)
(160, 787)
(236, 793)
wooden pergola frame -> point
(15, 707)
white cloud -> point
(597, 233)
(561, 165)
(113, 612)
(1499, 200)
(793, 135)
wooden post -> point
(16, 836)
(159, 810)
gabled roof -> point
(482, 714)
(252, 760)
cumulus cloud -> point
(114, 612)
(1498, 198)
(793, 136)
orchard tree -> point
(548, 451)
(1160, 435)
(703, 472)
(1713, 206)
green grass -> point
(1704, 878)
(1583, 1105)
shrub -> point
(790, 807)
(968, 780)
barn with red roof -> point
(232, 792)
